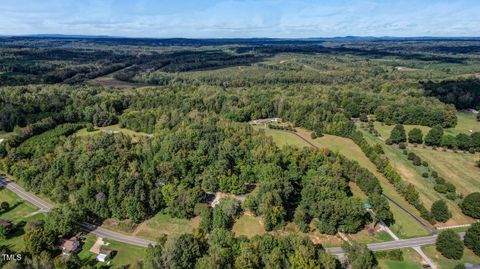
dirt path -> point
(97, 246)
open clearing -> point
(411, 260)
(153, 228)
(444, 263)
(458, 168)
(114, 128)
(19, 211)
(283, 138)
(248, 225)
(405, 226)
(110, 82)
(412, 174)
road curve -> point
(91, 228)
(132, 240)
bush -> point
(388, 141)
(434, 174)
(411, 156)
(450, 245)
(405, 152)
(472, 238)
(424, 163)
(313, 135)
(440, 211)
(451, 196)
(402, 145)
(440, 188)
(425, 174)
(471, 205)
(417, 161)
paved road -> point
(127, 239)
(98, 231)
(404, 243)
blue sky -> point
(241, 18)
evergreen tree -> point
(471, 205)
(415, 136)
(450, 245)
(434, 136)
(440, 211)
(398, 134)
(472, 238)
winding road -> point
(132, 240)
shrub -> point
(471, 205)
(440, 180)
(405, 152)
(388, 141)
(425, 174)
(313, 135)
(402, 145)
(417, 161)
(440, 188)
(434, 174)
(424, 163)
(450, 245)
(451, 196)
(411, 156)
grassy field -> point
(459, 168)
(283, 138)
(19, 211)
(126, 254)
(444, 263)
(455, 167)
(404, 226)
(412, 174)
(116, 127)
(155, 227)
(164, 224)
(248, 225)
(411, 260)
(466, 122)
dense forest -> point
(193, 103)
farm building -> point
(265, 121)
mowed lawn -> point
(125, 254)
(444, 263)
(458, 168)
(411, 260)
(412, 174)
(19, 211)
(283, 138)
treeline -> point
(463, 93)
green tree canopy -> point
(450, 245)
